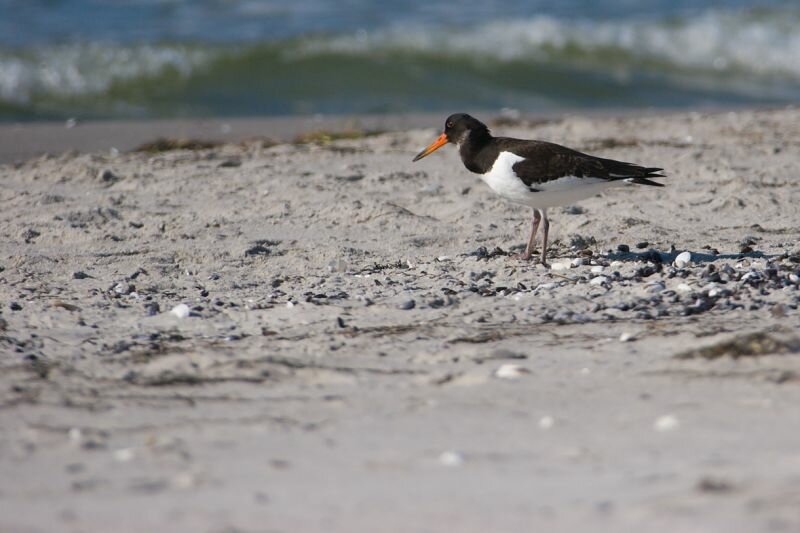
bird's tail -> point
(649, 173)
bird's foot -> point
(522, 256)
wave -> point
(90, 68)
(716, 56)
(762, 42)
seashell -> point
(510, 371)
(599, 280)
(683, 260)
(180, 311)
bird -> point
(537, 174)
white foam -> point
(77, 69)
(764, 42)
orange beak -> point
(435, 145)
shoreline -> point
(20, 141)
(25, 140)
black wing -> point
(546, 162)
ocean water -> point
(202, 58)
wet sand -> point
(361, 353)
(22, 141)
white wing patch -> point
(562, 191)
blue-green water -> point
(180, 58)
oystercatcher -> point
(538, 174)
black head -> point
(459, 125)
(457, 128)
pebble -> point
(407, 305)
(510, 371)
(599, 280)
(577, 262)
(683, 260)
(666, 423)
(123, 455)
(656, 287)
(436, 303)
(451, 458)
(546, 422)
(107, 175)
(684, 287)
(597, 269)
(258, 249)
(559, 266)
(29, 234)
(124, 288)
(503, 353)
(579, 242)
(627, 337)
(654, 256)
(624, 248)
(337, 265)
(714, 485)
(642, 245)
(180, 311)
(648, 270)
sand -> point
(359, 356)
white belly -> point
(563, 191)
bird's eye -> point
(449, 124)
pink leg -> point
(534, 228)
(545, 229)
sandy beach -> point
(323, 336)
